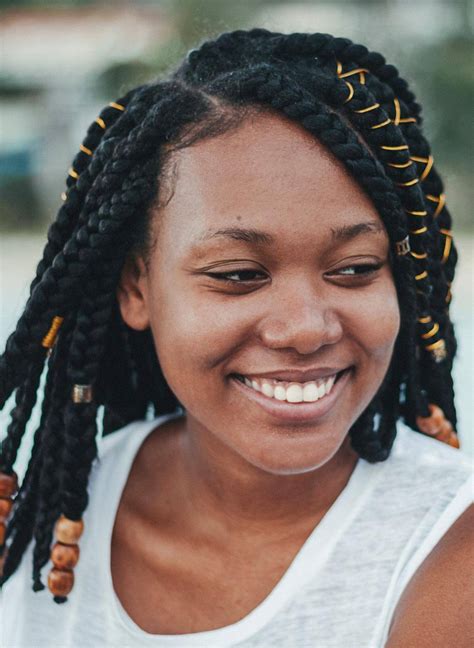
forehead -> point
(268, 174)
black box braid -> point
(346, 96)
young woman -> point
(247, 290)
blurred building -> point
(49, 65)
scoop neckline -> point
(303, 568)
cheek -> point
(379, 320)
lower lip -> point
(296, 412)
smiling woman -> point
(250, 274)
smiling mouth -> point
(292, 392)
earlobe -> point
(132, 294)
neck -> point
(224, 492)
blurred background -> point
(61, 61)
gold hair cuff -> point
(403, 247)
(50, 337)
(82, 393)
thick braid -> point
(25, 400)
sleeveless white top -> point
(340, 591)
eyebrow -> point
(258, 237)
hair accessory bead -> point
(403, 247)
(364, 110)
(50, 337)
(60, 581)
(384, 123)
(437, 350)
(8, 484)
(437, 425)
(65, 556)
(82, 393)
(85, 150)
(68, 531)
(117, 106)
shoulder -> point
(435, 609)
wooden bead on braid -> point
(64, 556)
(8, 488)
(438, 426)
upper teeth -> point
(292, 392)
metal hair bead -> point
(403, 247)
(82, 393)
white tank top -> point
(340, 591)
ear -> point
(132, 294)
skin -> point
(229, 493)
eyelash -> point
(369, 268)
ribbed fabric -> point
(340, 591)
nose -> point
(300, 319)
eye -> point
(237, 276)
(360, 269)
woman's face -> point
(270, 264)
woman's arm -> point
(435, 610)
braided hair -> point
(71, 330)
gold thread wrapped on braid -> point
(402, 165)
(73, 173)
(351, 91)
(409, 183)
(447, 248)
(359, 71)
(449, 294)
(441, 200)
(85, 150)
(425, 319)
(50, 337)
(117, 106)
(416, 213)
(401, 147)
(406, 120)
(434, 329)
(422, 275)
(364, 110)
(384, 123)
(420, 230)
(429, 161)
(418, 255)
(396, 119)
(100, 122)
